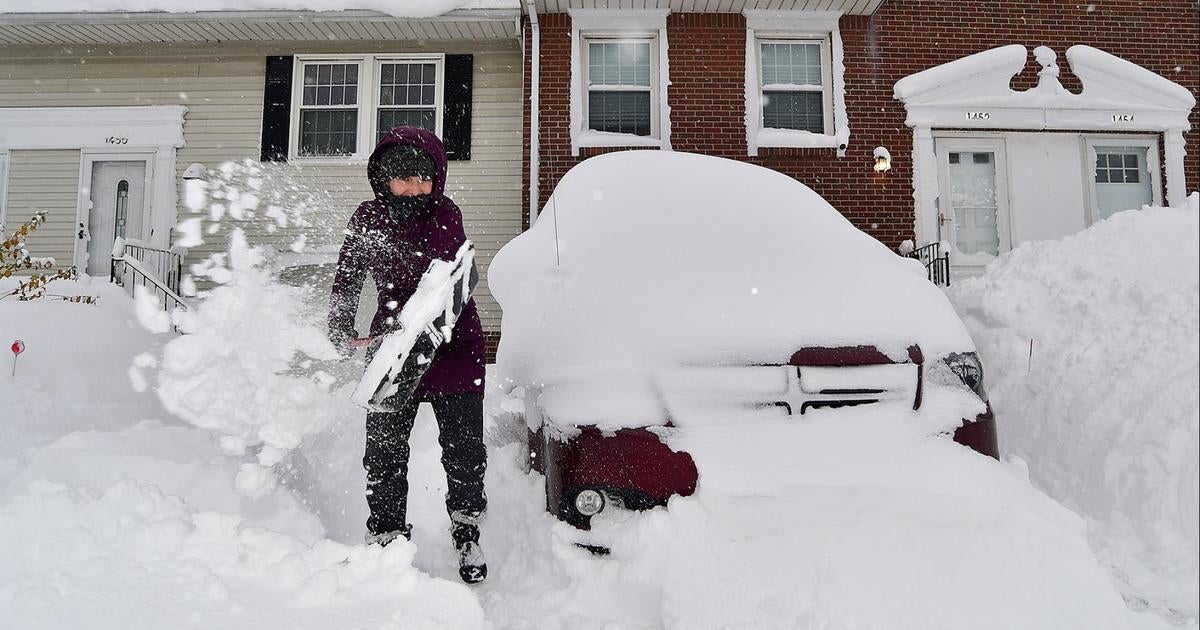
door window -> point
(973, 202)
(1123, 179)
(118, 204)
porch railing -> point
(136, 263)
(937, 262)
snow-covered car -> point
(659, 291)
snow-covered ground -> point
(228, 492)
(1092, 345)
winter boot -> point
(472, 567)
(383, 538)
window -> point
(342, 105)
(1124, 174)
(1114, 166)
(329, 109)
(619, 88)
(618, 61)
(407, 96)
(794, 84)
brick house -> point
(812, 89)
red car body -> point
(635, 469)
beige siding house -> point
(147, 100)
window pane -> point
(619, 63)
(619, 112)
(791, 64)
(389, 118)
(408, 83)
(330, 84)
(328, 131)
(794, 110)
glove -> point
(341, 341)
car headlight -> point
(589, 502)
(967, 367)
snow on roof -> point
(983, 79)
(406, 8)
(667, 257)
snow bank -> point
(108, 522)
(74, 371)
(133, 557)
(1106, 410)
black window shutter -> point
(456, 104)
(277, 109)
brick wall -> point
(706, 96)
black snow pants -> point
(460, 432)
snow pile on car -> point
(1092, 351)
(646, 259)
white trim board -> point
(623, 23)
(91, 127)
(5, 158)
(87, 160)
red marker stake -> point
(17, 348)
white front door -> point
(1124, 178)
(118, 209)
(973, 199)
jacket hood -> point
(414, 136)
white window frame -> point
(824, 88)
(1088, 149)
(5, 159)
(796, 27)
(625, 25)
(368, 100)
(585, 63)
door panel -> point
(973, 201)
(1123, 179)
(118, 196)
(973, 198)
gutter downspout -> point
(534, 110)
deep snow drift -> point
(1092, 349)
(117, 513)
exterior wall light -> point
(883, 160)
(195, 171)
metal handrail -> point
(136, 264)
(937, 264)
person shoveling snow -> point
(410, 225)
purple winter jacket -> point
(397, 254)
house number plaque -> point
(116, 140)
(1122, 118)
(979, 115)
